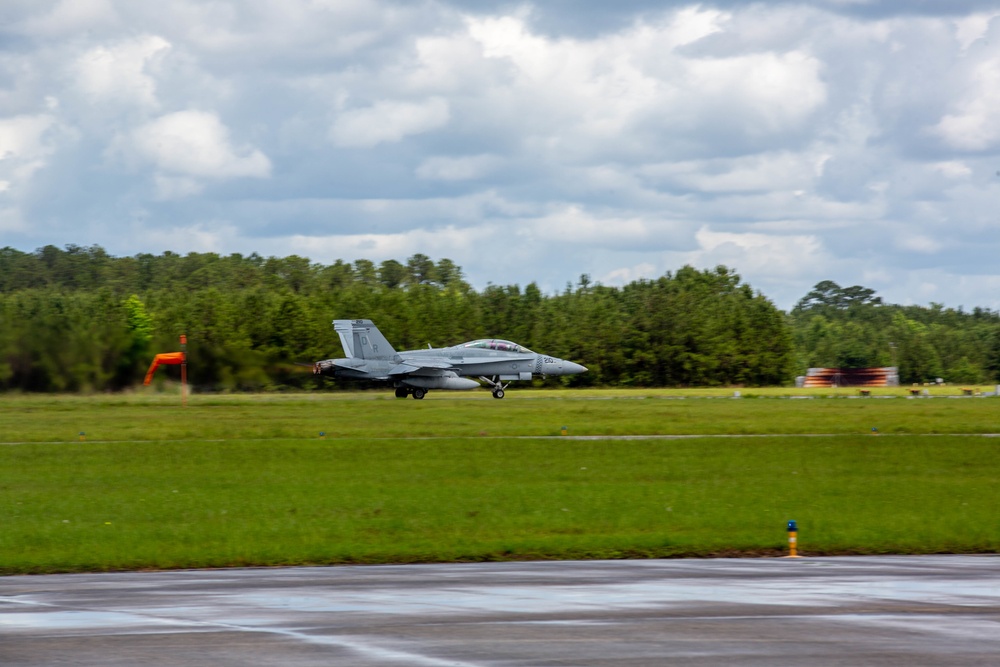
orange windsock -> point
(165, 358)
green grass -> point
(451, 414)
(245, 480)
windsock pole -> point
(184, 374)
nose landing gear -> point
(495, 384)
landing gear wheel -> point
(495, 385)
(401, 392)
(419, 393)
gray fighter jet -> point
(413, 372)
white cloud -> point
(263, 33)
(763, 172)
(784, 132)
(955, 169)
(118, 73)
(567, 96)
(762, 254)
(452, 242)
(388, 122)
(211, 236)
(974, 124)
(448, 64)
(634, 93)
(508, 37)
(24, 149)
(21, 136)
(919, 243)
(195, 144)
(71, 17)
(691, 24)
(627, 274)
(573, 225)
(563, 98)
(969, 29)
(771, 91)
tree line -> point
(78, 319)
(850, 327)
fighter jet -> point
(494, 361)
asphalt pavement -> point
(889, 610)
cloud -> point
(972, 28)
(637, 92)
(441, 168)
(452, 242)
(71, 17)
(21, 137)
(794, 141)
(768, 92)
(973, 124)
(572, 226)
(25, 148)
(627, 274)
(209, 236)
(762, 254)
(27, 144)
(194, 144)
(388, 122)
(953, 169)
(762, 172)
(919, 243)
(118, 73)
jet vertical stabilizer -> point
(345, 330)
(362, 340)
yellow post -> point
(564, 430)
(793, 547)
(83, 436)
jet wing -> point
(421, 367)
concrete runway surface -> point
(889, 610)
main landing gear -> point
(417, 392)
(497, 386)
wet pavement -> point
(890, 610)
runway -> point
(889, 610)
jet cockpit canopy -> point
(498, 345)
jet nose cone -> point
(554, 366)
(563, 367)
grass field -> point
(158, 417)
(247, 480)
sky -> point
(794, 142)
